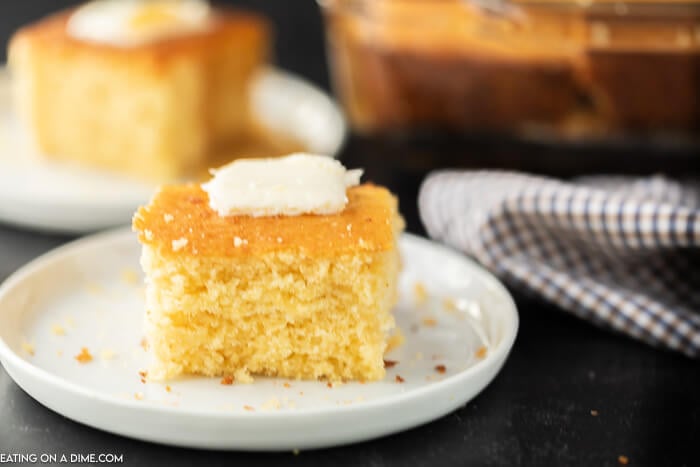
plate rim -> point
(24, 273)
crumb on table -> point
(390, 363)
(58, 330)
(399, 379)
(594, 413)
(623, 460)
(440, 369)
(481, 352)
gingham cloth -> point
(621, 252)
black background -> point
(536, 412)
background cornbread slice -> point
(154, 111)
(301, 297)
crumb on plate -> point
(84, 356)
(28, 348)
(430, 322)
(395, 341)
(227, 380)
(271, 404)
(449, 304)
(129, 276)
(420, 292)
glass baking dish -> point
(584, 70)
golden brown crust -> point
(50, 33)
(179, 221)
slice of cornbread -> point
(305, 297)
(154, 110)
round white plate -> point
(55, 196)
(90, 292)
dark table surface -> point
(536, 412)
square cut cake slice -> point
(154, 111)
(306, 297)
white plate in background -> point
(91, 289)
(62, 197)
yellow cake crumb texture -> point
(315, 306)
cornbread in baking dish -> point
(306, 297)
(154, 110)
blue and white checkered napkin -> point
(621, 252)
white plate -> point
(88, 289)
(61, 197)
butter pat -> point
(126, 23)
(287, 186)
